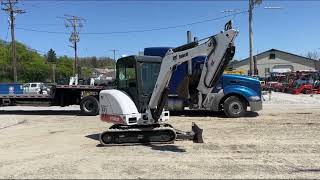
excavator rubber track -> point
(151, 134)
(117, 135)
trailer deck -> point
(26, 96)
(80, 87)
(61, 95)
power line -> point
(44, 24)
(42, 31)
(137, 31)
(42, 3)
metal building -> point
(275, 60)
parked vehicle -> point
(274, 86)
(300, 86)
(35, 88)
(294, 82)
(316, 87)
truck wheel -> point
(234, 107)
(89, 106)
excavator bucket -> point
(197, 138)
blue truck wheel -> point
(234, 107)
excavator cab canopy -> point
(136, 76)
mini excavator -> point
(136, 106)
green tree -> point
(51, 56)
(31, 65)
(5, 63)
(64, 68)
(86, 72)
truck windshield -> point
(149, 75)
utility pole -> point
(10, 9)
(75, 23)
(114, 58)
(251, 60)
(189, 40)
(251, 72)
(54, 72)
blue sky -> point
(294, 28)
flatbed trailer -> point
(61, 95)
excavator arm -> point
(217, 48)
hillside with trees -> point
(33, 67)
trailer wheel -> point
(234, 107)
(89, 106)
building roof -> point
(245, 61)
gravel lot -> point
(283, 141)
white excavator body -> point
(118, 108)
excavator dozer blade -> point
(197, 138)
(194, 135)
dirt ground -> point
(282, 141)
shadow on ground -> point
(165, 148)
(41, 112)
(157, 147)
(307, 170)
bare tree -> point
(316, 57)
(313, 55)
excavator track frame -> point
(137, 134)
(148, 134)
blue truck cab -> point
(233, 94)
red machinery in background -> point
(306, 82)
